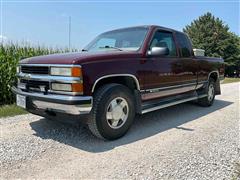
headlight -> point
(75, 87)
(61, 87)
(66, 71)
(61, 71)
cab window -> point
(164, 39)
(184, 45)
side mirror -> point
(158, 51)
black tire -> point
(98, 123)
(207, 101)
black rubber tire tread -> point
(204, 101)
(98, 98)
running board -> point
(161, 105)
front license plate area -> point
(21, 101)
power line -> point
(69, 32)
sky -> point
(46, 22)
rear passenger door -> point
(170, 74)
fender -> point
(117, 75)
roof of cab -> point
(147, 26)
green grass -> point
(231, 80)
(11, 110)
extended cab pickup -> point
(120, 73)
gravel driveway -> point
(181, 142)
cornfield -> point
(10, 55)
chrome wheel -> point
(210, 92)
(117, 112)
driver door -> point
(165, 74)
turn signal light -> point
(77, 87)
(76, 72)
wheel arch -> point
(128, 80)
(215, 75)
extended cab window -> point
(184, 45)
(164, 39)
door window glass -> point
(164, 39)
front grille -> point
(35, 69)
(35, 85)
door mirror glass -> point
(158, 51)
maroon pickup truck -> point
(119, 74)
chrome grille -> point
(35, 69)
(37, 78)
(35, 85)
(32, 83)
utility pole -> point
(69, 33)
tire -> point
(210, 90)
(113, 112)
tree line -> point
(213, 35)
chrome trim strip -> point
(65, 92)
(202, 96)
(117, 75)
(60, 79)
(171, 104)
(169, 87)
(202, 82)
(51, 65)
(52, 96)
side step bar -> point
(161, 105)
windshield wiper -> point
(111, 47)
(84, 50)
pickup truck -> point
(119, 74)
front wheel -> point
(113, 111)
(209, 99)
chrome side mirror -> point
(158, 51)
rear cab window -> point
(184, 45)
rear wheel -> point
(113, 112)
(210, 90)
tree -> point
(212, 35)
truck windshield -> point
(129, 39)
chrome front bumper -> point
(74, 105)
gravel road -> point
(181, 142)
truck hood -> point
(79, 57)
